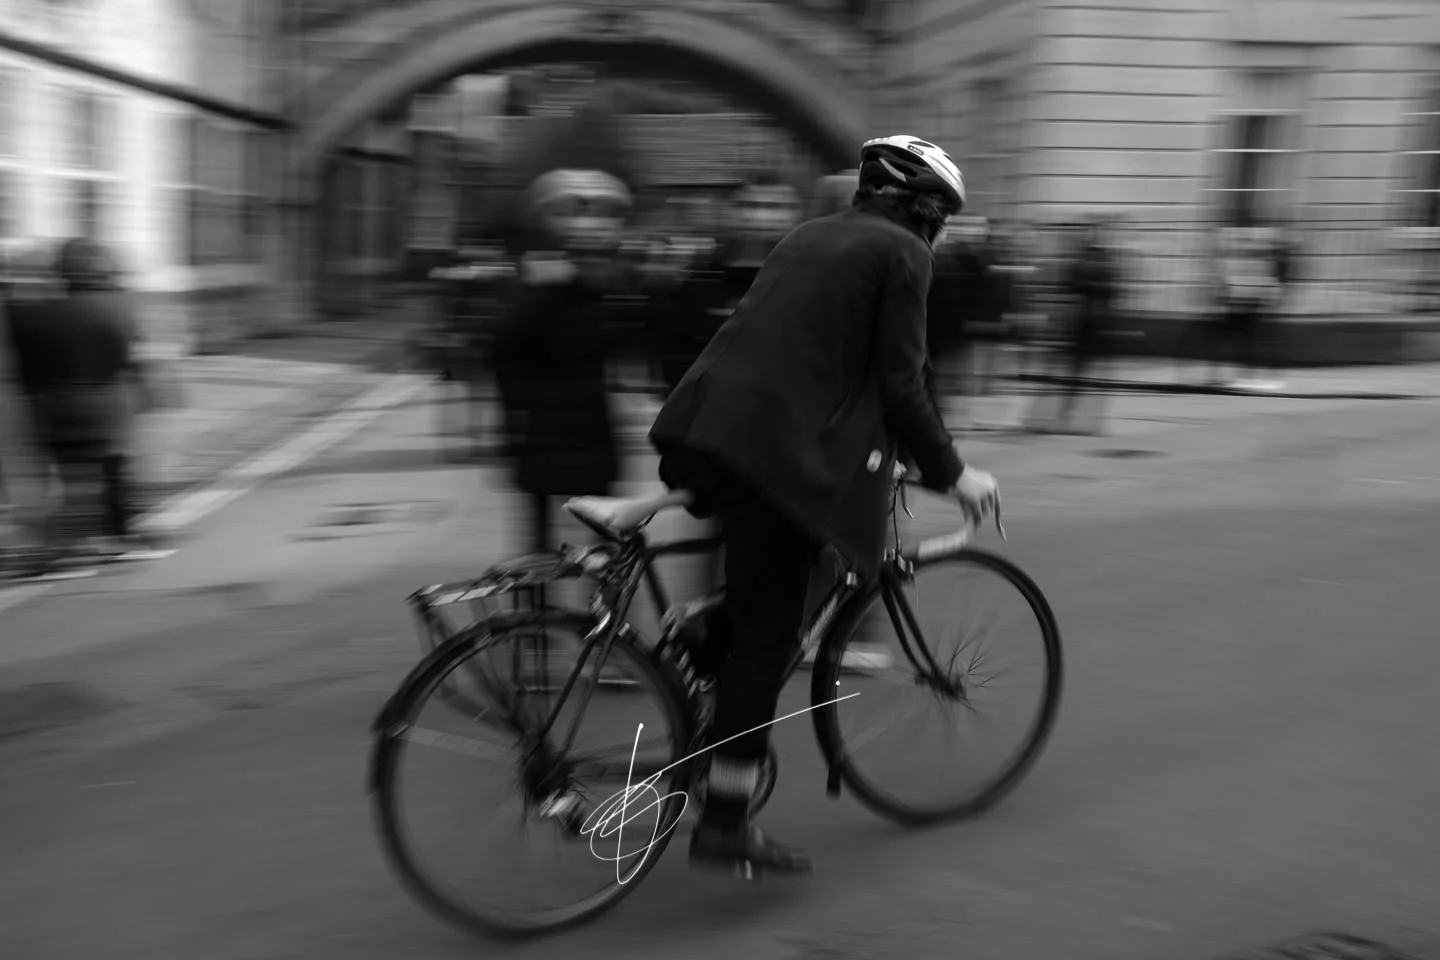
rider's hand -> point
(977, 491)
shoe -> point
(745, 851)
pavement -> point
(1245, 590)
(1370, 382)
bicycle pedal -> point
(567, 809)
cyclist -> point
(787, 428)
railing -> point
(1340, 268)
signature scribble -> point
(610, 818)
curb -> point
(1144, 386)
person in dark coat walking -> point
(788, 428)
(551, 351)
(78, 362)
(1092, 281)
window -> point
(86, 208)
(385, 210)
(1257, 154)
(88, 161)
(9, 116)
(258, 144)
(1258, 173)
(432, 220)
(1426, 188)
(9, 227)
(214, 188)
(995, 132)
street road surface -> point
(1245, 749)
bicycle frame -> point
(632, 566)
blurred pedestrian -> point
(552, 347)
(756, 215)
(1093, 284)
(1250, 291)
(79, 363)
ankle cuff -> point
(733, 778)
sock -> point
(732, 783)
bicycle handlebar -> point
(903, 476)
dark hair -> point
(922, 212)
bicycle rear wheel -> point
(866, 736)
(449, 827)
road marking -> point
(14, 596)
(192, 505)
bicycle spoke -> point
(958, 638)
(452, 743)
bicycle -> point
(529, 636)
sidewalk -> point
(1388, 382)
(237, 404)
(227, 408)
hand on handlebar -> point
(978, 492)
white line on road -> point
(188, 507)
(192, 505)
(14, 596)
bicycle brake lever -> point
(905, 502)
(999, 524)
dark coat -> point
(550, 358)
(77, 363)
(819, 379)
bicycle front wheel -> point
(936, 685)
(506, 832)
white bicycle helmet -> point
(912, 164)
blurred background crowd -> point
(1229, 183)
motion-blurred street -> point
(1245, 587)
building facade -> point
(1178, 115)
(170, 129)
(142, 124)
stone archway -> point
(814, 78)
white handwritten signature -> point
(610, 817)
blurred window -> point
(258, 144)
(1258, 172)
(9, 115)
(220, 186)
(432, 208)
(1425, 192)
(89, 160)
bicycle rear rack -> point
(511, 586)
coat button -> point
(873, 464)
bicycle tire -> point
(387, 751)
(827, 673)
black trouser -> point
(767, 576)
(75, 464)
(768, 564)
(1249, 339)
(1085, 349)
